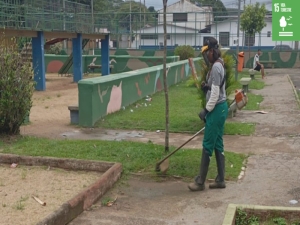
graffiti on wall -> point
(115, 102)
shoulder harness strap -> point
(224, 78)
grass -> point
(239, 128)
(184, 106)
(135, 157)
(256, 84)
(20, 205)
(265, 218)
(253, 102)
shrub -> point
(184, 52)
(54, 49)
(229, 64)
(16, 87)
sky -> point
(158, 4)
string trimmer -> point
(163, 164)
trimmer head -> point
(163, 166)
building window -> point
(179, 17)
(168, 36)
(249, 40)
(224, 39)
(269, 34)
(149, 36)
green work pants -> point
(214, 128)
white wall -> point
(179, 39)
(178, 35)
(260, 40)
(203, 15)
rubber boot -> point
(199, 184)
(220, 179)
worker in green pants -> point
(214, 116)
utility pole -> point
(140, 24)
(243, 42)
(92, 8)
(144, 13)
(64, 12)
(238, 36)
(130, 25)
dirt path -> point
(272, 174)
(49, 115)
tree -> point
(151, 9)
(253, 20)
(122, 17)
(218, 8)
(165, 77)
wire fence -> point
(133, 29)
(54, 15)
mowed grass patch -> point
(135, 157)
(184, 107)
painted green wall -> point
(103, 95)
(129, 60)
(290, 59)
(121, 63)
(284, 59)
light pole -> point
(130, 24)
(144, 13)
(93, 28)
(92, 8)
(238, 36)
(64, 15)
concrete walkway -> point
(272, 175)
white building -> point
(184, 21)
(186, 14)
(176, 35)
(226, 32)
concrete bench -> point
(74, 114)
(232, 108)
(252, 73)
(245, 81)
(93, 67)
(271, 62)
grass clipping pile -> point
(22, 187)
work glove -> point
(203, 114)
(205, 88)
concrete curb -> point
(294, 89)
(85, 199)
(229, 218)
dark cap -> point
(211, 43)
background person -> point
(257, 65)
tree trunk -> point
(165, 78)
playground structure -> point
(56, 21)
